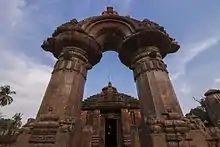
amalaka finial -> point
(109, 11)
(109, 84)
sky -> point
(27, 68)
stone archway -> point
(78, 46)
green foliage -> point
(5, 95)
(9, 126)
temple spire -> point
(109, 11)
(109, 79)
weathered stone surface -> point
(155, 120)
(212, 102)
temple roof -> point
(110, 98)
(211, 92)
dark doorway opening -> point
(110, 133)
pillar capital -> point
(73, 59)
(145, 40)
(74, 42)
(147, 52)
(147, 59)
(70, 52)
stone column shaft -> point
(60, 110)
(126, 124)
(96, 128)
(65, 90)
(154, 87)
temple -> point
(112, 115)
(111, 118)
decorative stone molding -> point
(73, 59)
(127, 140)
(154, 125)
(194, 122)
(45, 129)
(95, 140)
(44, 132)
(67, 125)
(146, 60)
(132, 116)
(72, 25)
(109, 96)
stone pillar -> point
(65, 90)
(126, 124)
(154, 87)
(102, 131)
(87, 136)
(96, 128)
(135, 141)
(60, 110)
(155, 92)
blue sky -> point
(26, 67)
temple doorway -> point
(111, 133)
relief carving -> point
(154, 125)
(72, 25)
(73, 59)
(67, 125)
(45, 129)
(146, 60)
(42, 139)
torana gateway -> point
(110, 118)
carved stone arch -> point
(109, 31)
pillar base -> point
(177, 131)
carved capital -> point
(147, 59)
(73, 59)
(147, 52)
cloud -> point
(189, 52)
(122, 6)
(217, 80)
(216, 83)
(27, 77)
(11, 11)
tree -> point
(5, 95)
(8, 126)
